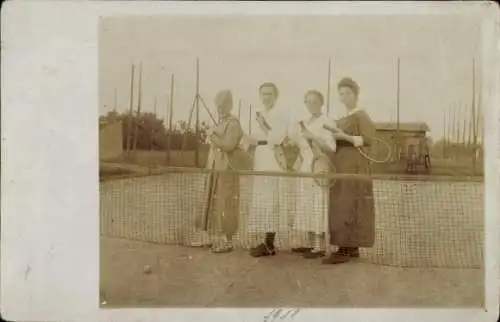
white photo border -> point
(50, 194)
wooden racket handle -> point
(331, 128)
(264, 123)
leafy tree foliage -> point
(153, 134)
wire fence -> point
(419, 221)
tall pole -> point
(165, 124)
(398, 138)
(328, 88)
(115, 102)
(170, 118)
(454, 124)
(449, 130)
(139, 103)
(151, 139)
(479, 125)
(165, 118)
(474, 116)
(131, 108)
(454, 129)
(197, 154)
(478, 148)
(469, 134)
(480, 132)
(464, 127)
(397, 96)
(239, 109)
(459, 116)
(444, 135)
(479, 116)
(463, 145)
(188, 127)
(250, 119)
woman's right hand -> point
(356, 141)
(212, 138)
(287, 141)
(251, 141)
(308, 135)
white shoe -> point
(200, 239)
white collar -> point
(266, 111)
(351, 112)
(311, 120)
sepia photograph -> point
(291, 161)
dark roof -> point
(403, 126)
(102, 123)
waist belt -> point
(342, 143)
(262, 142)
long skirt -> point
(270, 204)
(311, 206)
(351, 206)
(222, 219)
(270, 200)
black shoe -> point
(202, 246)
(222, 250)
(262, 250)
(301, 249)
(349, 251)
(343, 255)
(313, 255)
(337, 258)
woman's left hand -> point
(213, 139)
(308, 134)
(354, 140)
(341, 136)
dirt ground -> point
(188, 277)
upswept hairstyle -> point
(349, 83)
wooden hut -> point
(413, 148)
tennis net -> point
(419, 221)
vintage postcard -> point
(291, 157)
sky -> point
(241, 52)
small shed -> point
(110, 139)
(412, 138)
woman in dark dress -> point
(351, 205)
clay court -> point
(187, 277)
(428, 252)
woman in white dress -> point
(268, 207)
(312, 203)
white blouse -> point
(315, 126)
(277, 118)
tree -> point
(152, 133)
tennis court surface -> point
(187, 277)
(428, 251)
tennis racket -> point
(211, 185)
(378, 152)
(242, 153)
(262, 121)
(287, 157)
(321, 163)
